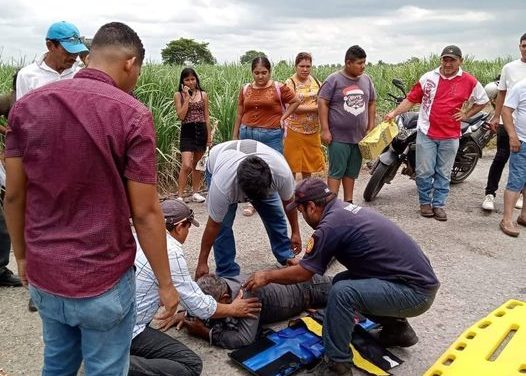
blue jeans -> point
(517, 174)
(271, 212)
(97, 330)
(271, 137)
(375, 298)
(434, 161)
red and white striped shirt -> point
(441, 98)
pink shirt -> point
(441, 98)
(80, 140)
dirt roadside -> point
(479, 267)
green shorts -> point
(345, 160)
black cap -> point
(310, 189)
(452, 51)
(177, 211)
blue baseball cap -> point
(68, 36)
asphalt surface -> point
(479, 267)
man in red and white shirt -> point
(442, 94)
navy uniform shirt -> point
(369, 246)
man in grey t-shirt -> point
(347, 109)
(241, 171)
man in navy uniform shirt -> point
(388, 277)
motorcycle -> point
(476, 134)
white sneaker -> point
(518, 204)
(489, 203)
(180, 198)
(196, 197)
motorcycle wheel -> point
(379, 177)
(465, 161)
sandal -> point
(509, 230)
(521, 221)
(249, 210)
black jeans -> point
(5, 242)
(156, 353)
(499, 161)
(281, 302)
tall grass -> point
(158, 83)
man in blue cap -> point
(63, 44)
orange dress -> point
(302, 146)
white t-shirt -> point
(512, 73)
(223, 162)
(516, 99)
(39, 74)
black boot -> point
(328, 367)
(8, 279)
(397, 333)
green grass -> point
(158, 83)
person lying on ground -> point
(278, 303)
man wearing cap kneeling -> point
(156, 353)
(442, 94)
(58, 63)
(388, 277)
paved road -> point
(479, 267)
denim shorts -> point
(517, 174)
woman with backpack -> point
(261, 111)
(302, 146)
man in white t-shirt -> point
(58, 63)
(515, 104)
(512, 73)
(241, 171)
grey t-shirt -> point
(222, 164)
(348, 105)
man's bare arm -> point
(148, 221)
(15, 205)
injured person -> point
(278, 303)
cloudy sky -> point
(389, 30)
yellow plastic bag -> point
(372, 145)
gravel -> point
(479, 267)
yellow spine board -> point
(496, 345)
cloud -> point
(391, 30)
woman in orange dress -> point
(302, 146)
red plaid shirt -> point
(80, 140)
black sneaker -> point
(397, 333)
(331, 368)
(8, 279)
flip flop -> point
(511, 231)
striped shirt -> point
(147, 289)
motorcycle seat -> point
(409, 119)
